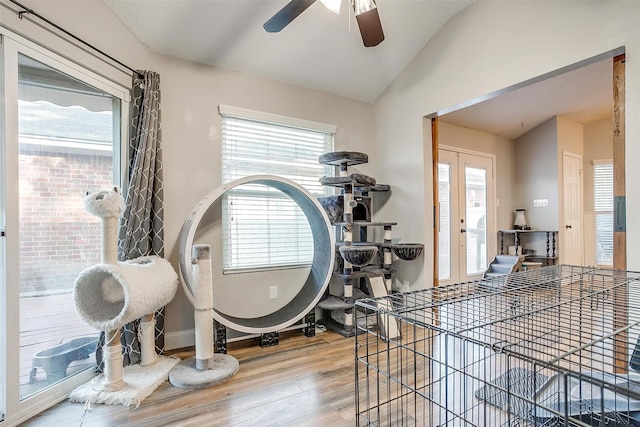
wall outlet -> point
(273, 292)
(538, 203)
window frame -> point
(17, 410)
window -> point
(262, 227)
(603, 208)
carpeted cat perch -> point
(109, 295)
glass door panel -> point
(475, 183)
(66, 132)
(444, 232)
(3, 328)
(448, 238)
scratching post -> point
(147, 340)
(112, 361)
(206, 369)
(109, 250)
(203, 306)
(112, 349)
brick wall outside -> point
(58, 238)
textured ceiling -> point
(318, 50)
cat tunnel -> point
(108, 296)
(321, 267)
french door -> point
(60, 138)
(466, 235)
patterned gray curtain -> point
(142, 225)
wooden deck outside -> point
(46, 322)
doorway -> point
(513, 111)
(466, 192)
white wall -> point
(190, 123)
(539, 166)
(537, 175)
(570, 136)
(489, 46)
(505, 173)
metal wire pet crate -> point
(555, 346)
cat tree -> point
(111, 294)
(363, 266)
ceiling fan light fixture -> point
(363, 6)
(332, 5)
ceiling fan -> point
(365, 11)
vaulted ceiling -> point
(324, 51)
(318, 50)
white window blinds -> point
(262, 227)
(603, 208)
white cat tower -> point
(109, 295)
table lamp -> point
(520, 222)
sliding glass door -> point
(61, 138)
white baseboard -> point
(180, 339)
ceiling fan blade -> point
(286, 15)
(370, 28)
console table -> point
(549, 258)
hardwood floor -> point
(301, 382)
(529, 346)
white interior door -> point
(572, 248)
(467, 215)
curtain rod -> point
(59, 28)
